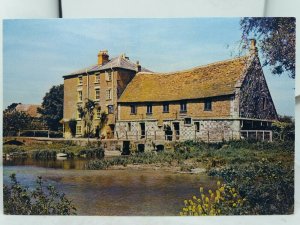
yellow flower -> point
(185, 202)
(218, 183)
(201, 189)
(234, 205)
(194, 197)
(207, 199)
(209, 191)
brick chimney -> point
(138, 66)
(103, 57)
(253, 48)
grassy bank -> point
(49, 151)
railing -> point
(259, 135)
(39, 133)
(206, 136)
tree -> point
(12, 106)
(52, 107)
(276, 38)
(87, 115)
(13, 121)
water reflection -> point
(113, 192)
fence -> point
(206, 136)
(39, 133)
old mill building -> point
(220, 101)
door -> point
(142, 126)
(176, 127)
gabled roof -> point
(117, 62)
(30, 109)
(211, 80)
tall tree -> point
(13, 121)
(52, 107)
(276, 38)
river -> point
(112, 192)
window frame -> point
(208, 102)
(97, 90)
(80, 80)
(149, 109)
(108, 94)
(133, 109)
(97, 78)
(110, 109)
(98, 113)
(166, 105)
(197, 127)
(79, 96)
(78, 128)
(183, 109)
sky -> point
(37, 53)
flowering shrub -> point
(225, 200)
(18, 200)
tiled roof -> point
(210, 80)
(117, 62)
(31, 110)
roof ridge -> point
(193, 68)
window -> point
(183, 107)
(187, 121)
(98, 113)
(80, 80)
(78, 114)
(108, 75)
(110, 109)
(129, 126)
(264, 103)
(97, 78)
(197, 126)
(78, 129)
(149, 109)
(80, 96)
(108, 94)
(166, 107)
(133, 109)
(207, 105)
(97, 94)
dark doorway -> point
(126, 148)
(141, 148)
(168, 133)
(142, 125)
(177, 129)
(160, 148)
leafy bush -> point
(18, 200)
(223, 201)
(268, 186)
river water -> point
(112, 192)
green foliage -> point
(284, 128)
(277, 39)
(72, 125)
(13, 121)
(18, 200)
(87, 115)
(52, 107)
(225, 200)
(267, 186)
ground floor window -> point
(78, 129)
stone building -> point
(103, 83)
(220, 101)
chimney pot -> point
(253, 48)
(103, 57)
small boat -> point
(61, 155)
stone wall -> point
(255, 98)
(210, 130)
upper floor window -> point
(78, 129)
(78, 114)
(166, 107)
(187, 121)
(80, 80)
(98, 113)
(97, 78)
(110, 109)
(207, 105)
(79, 97)
(133, 109)
(129, 126)
(183, 107)
(149, 109)
(97, 94)
(108, 75)
(108, 94)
